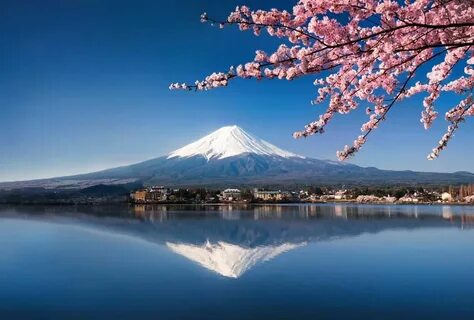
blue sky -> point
(84, 86)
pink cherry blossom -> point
(368, 53)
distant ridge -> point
(231, 156)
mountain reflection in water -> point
(230, 240)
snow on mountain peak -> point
(227, 142)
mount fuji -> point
(232, 156)
(229, 142)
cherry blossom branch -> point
(371, 126)
(319, 125)
(465, 107)
(205, 18)
(365, 63)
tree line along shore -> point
(136, 193)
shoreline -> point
(128, 203)
(311, 203)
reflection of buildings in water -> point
(447, 213)
(230, 214)
(226, 208)
(158, 216)
(388, 211)
(285, 211)
(157, 212)
(369, 210)
(229, 260)
(340, 211)
(467, 221)
(317, 211)
(415, 212)
(150, 212)
(377, 211)
(267, 211)
(303, 212)
(138, 210)
(307, 211)
(410, 210)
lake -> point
(327, 261)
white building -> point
(446, 197)
(341, 194)
(271, 195)
(390, 199)
(408, 199)
(231, 195)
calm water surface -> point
(223, 262)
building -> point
(150, 194)
(408, 199)
(446, 197)
(138, 196)
(157, 193)
(265, 195)
(231, 195)
(389, 199)
(339, 195)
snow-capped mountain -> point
(227, 259)
(228, 142)
(231, 156)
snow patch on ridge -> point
(228, 142)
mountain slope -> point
(231, 156)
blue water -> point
(223, 262)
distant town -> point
(163, 194)
(138, 194)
